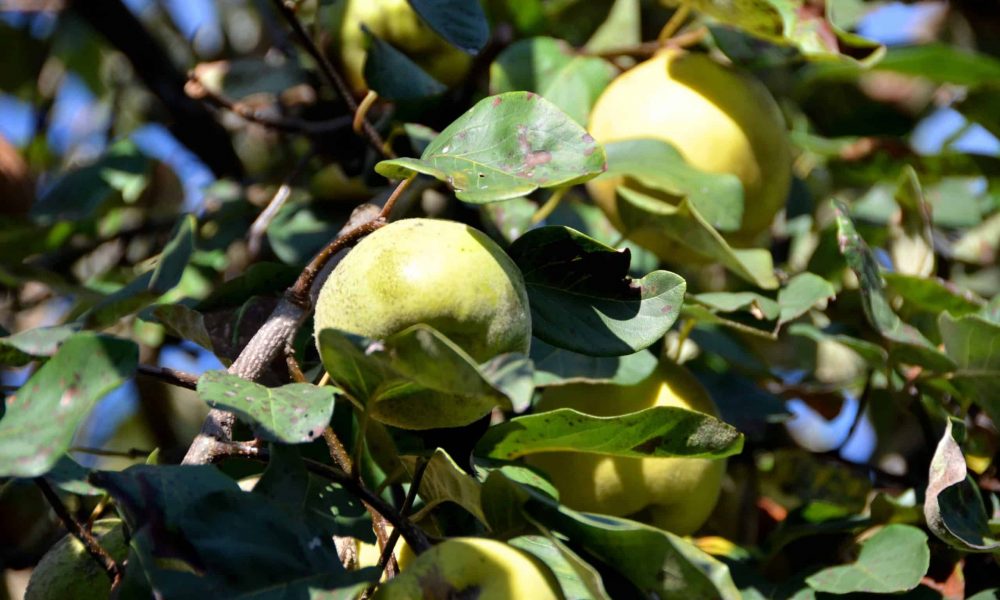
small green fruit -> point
(67, 572)
(472, 568)
(395, 22)
(675, 494)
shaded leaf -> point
(893, 560)
(557, 366)
(186, 323)
(461, 22)
(512, 374)
(42, 416)
(384, 63)
(582, 298)
(953, 507)
(685, 225)
(445, 481)
(21, 348)
(504, 147)
(295, 413)
(973, 342)
(659, 431)
(576, 578)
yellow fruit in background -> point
(395, 22)
(676, 494)
(475, 568)
(67, 572)
(720, 120)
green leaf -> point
(684, 224)
(148, 287)
(953, 507)
(908, 344)
(556, 366)
(70, 476)
(658, 165)
(942, 63)
(415, 379)
(445, 481)
(659, 431)
(804, 291)
(295, 413)
(285, 480)
(973, 342)
(384, 63)
(512, 374)
(258, 280)
(659, 563)
(184, 322)
(621, 29)
(932, 295)
(576, 578)
(872, 353)
(758, 305)
(504, 147)
(42, 416)
(21, 348)
(893, 560)
(461, 22)
(582, 298)
(551, 68)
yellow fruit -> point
(472, 568)
(720, 120)
(442, 273)
(68, 572)
(676, 494)
(396, 23)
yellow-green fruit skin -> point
(395, 22)
(480, 568)
(675, 494)
(442, 273)
(67, 572)
(720, 120)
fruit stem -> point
(674, 23)
(550, 205)
(682, 337)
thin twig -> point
(331, 74)
(387, 559)
(77, 530)
(130, 453)
(294, 370)
(860, 414)
(259, 227)
(171, 376)
(196, 89)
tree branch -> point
(193, 124)
(77, 530)
(171, 376)
(332, 76)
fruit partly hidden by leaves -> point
(395, 22)
(67, 571)
(720, 120)
(472, 568)
(441, 273)
(675, 494)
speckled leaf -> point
(445, 481)
(953, 506)
(43, 414)
(893, 560)
(658, 165)
(556, 366)
(21, 348)
(908, 344)
(551, 68)
(292, 414)
(582, 298)
(148, 287)
(659, 431)
(974, 344)
(504, 147)
(461, 22)
(684, 224)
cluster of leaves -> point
(881, 306)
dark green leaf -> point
(285, 480)
(461, 22)
(186, 323)
(43, 415)
(295, 413)
(659, 431)
(70, 476)
(504, 147)
(582, 298)
(684, 224)
(259, 279)
(21, 348)
(893, 560)
(384, 63)
(973, 342)
(445, 481)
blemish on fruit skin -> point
(497, 101)
(588, 139)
